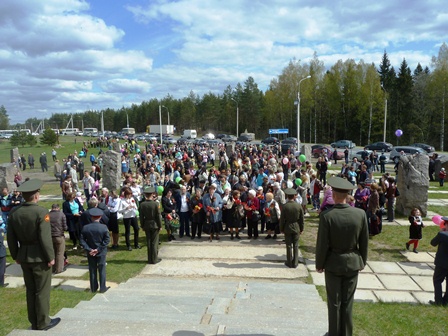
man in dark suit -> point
(86, 217)
(341, 250)
(94, 239)
(31, 246)
(151, 223)
(441, 262)
(183, 210)
(291, 224)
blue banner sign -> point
(279, 131)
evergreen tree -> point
(49, 137)
(4, 118)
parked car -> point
(380, 146)
(343, 143)
(290, 140)
(270, 141)
(358, 154)
(319, 151)
(426, 147)
(214, 142)
(229, 138)
(200, 142)
(183, 141)
(243, 138)
(208, 136)
(170, 140)
(220, 136)
(405, 150)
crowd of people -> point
(197, 192)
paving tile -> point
(385, 267)
(318, 278)
(425, 282)
(369, 281)
(362, 295)
(432, 254)
(418, 257)
(56, 282)
(423, 297)
(14, 270)
(395, 296)
(77, 285)
(367, 269)
(73, 271)
(310, 264)
(14, 282)
(398, 282)
(402, 222)
(416, 268)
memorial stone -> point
(306, 150)
(7, 172)
(112, 170)
(14, 155)
(413, 184)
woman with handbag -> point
(252, 208)
(272, 213)
(169, 208)
(235, 210)
(198, 213)
(128, 208)
(213, 205)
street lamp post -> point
(237, 115)
(298, 112)
(160, 121)
(385, 113)
(168, 114)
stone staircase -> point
(201, 288)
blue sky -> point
(69, 56)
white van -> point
(70, 131)
(190, 134)
(128, 131)
(90, 131)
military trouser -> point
(340, 294)
(292, 249)
(152, 240)
(37, 278)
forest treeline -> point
(344, 101)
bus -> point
(70, 131)
(90, 131)
(6, 134)
(128, 131)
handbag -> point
(255, 216)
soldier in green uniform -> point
(151, 223)
(31, 246)
(291, 224)
(341, 252)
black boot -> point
(231, 235)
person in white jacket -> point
(128, 208)
(272, 213)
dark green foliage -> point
(49, 137)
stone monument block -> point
(306, 150)
(230, 149)
(112, 170)
(413, 184)
(14, 155)
(441, 162)
(7, 172)
(116, 146)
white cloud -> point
(58, 56)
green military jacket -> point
(342, 239)
(291, 218)
(29, 234)
(150, 215)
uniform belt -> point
(340, 251)
(35, 242)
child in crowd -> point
(81, 198)
(442, 175)
(415, 230)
